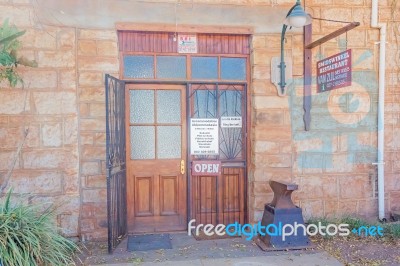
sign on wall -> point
(204, 136)
(334, 72)
(187, 44)
(231, 121)
(206, 168)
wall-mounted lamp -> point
(296, 17)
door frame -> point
(151, 39)
(187, 83)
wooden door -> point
(156, 153)
(221, 198)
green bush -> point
(9, 59)
(28, 236)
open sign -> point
(209, 168)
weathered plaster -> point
(105, 13)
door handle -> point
(183, 167)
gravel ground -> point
(351, 250)
(368, 251)
(184, 248)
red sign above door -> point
(334, 72)
(206, 168)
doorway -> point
(167, 93)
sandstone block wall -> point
(97, 54)
(332, 163)
(47, 168)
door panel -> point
(144, 196)
(233, 191)
(168, 195)
(157, 145)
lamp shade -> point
(297, 18)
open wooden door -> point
(156, 154)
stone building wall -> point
(62, 105)
(332, 163)
(392, 107)
(97, 56)
(48, 165)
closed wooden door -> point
(156, 153)
(221, 198)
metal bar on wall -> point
(107, 76)
(188, 162)
(217, 184)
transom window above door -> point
(184, 67)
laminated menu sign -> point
(204, 136)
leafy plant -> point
(29, 237)
(9, 60)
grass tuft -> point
(28, 236)
(354, 222)
(391, 230)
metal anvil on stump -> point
(279, 212)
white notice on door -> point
(204, 136)
(231, 121)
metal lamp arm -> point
(282, 65)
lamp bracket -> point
(275, 74)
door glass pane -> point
(204, 104)
(230, 102)
(204, 67)
(141, 106)
(169, 106)
(173, 67)
(233, 68)
(231, 138)
(138, 66)
(169, 142)
(142, 142)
